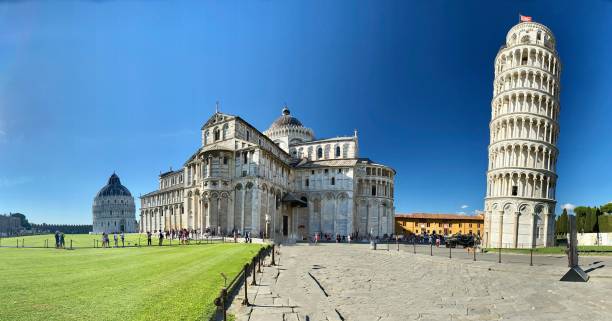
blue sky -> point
(92, 87)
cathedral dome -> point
(114, 188)
(286, 120)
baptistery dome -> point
(113, 208)
(114, 188)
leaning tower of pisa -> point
(521, 176)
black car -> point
(459, 239)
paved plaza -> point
(352, 282)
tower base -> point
(575, 274)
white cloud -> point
(464, 206)
(478, 212)
(568, 206)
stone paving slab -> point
(342, 282)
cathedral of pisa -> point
(521, 178)
(282, 183)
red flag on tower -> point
(525, 18)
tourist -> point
(62, 240)
(148, 238)
(115, 239)
(161, 238)
(57, 239)
(122, 239)
(235, 236)
(106, 240)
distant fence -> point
(96, 242)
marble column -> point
(517, 217)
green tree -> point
(581, 218)
(591, 221)
(561, 226)
(598, 213)
(607, 208)
(24, 222)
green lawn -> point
(147, 283)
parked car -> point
(459, 239)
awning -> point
(293, 200)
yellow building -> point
(444, 224)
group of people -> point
(183, 235)
(59, 240)
(106, 239)
(353, 237)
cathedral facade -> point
(281, 183)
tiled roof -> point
(325, 140)
(441, 216)
(327, 163)
(167, 189)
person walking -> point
(122, 239)
(115, 239)
(62, 240)
(161, 238)
(57, 239)
(148, 238)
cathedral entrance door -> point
(285, 225)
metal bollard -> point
(273, 263)
(413, 247)
(499, 259)
(259, 258)
(22, 243)
(431, 249)
(223, 303)
(397, 242)
(17, 243)
(450, 251)
(253, 282)
(245, 301)
(71, 244)
(94, 243)
(474, 251)
(531, 257)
